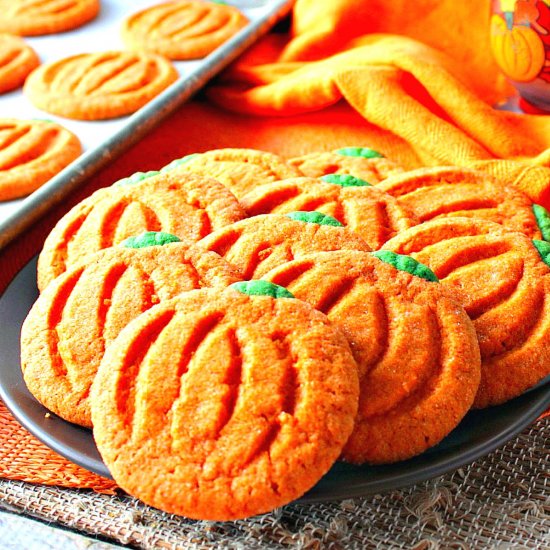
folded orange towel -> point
(428, 87)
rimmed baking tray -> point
(104, 140)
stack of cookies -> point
(234, 323)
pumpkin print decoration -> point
(517, 38)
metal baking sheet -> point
(103, 141)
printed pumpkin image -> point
(518, 49)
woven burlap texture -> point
(500, 501)
(25, 458)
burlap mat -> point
(501, 501)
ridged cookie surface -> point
(445, 192)
(185, 205)
(219, 405)
(17, 60)
(240, 170)
(30, 18)
(185, 29)
(31, 153)
(95, 86)
(68, 329)
(415, 348)
(373, 215)
(503, 283)
(256, 245)
(361, 162)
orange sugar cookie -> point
(97, 86)
(66, 332)
(31, 153)
(240, 170)
(414, 345)
(31, 17)
(185, 205)
(373, 215)
(187, 29)
(256, 245)
(220, 405)
(503, 284)
(361, 162)
(17, 60)
(451, 191)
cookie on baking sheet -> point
(185, 29)
(17, 60)
(94, 86)
(30, 18)
(240, 170)
(361, 162)
(256, 245)
(222, 405)
(452, 191)
(66, 332)
(185, 205)
(31, 153)
(415, 347)
(503, 283)
(373, 215)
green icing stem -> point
(178, 162)
(406, 263)
(262, 288)
(364, 152)
(543, 248)
(150, 238)
(314, 217)
(136, 178)
(543, 220)
(345, 180)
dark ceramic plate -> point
(477, 435)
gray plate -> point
(477, 435)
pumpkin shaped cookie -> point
(415, 347)
(221, 405)
(185, 29)
(373, 215)
(503, 284)
(451, 191)
(31, 153)
(256, 245)
(361, 162)
(188, 206)
(240, 170)
(30, 18)
(67, 330)
(17, 60)
(97, 86)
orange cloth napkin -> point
(420, 74)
